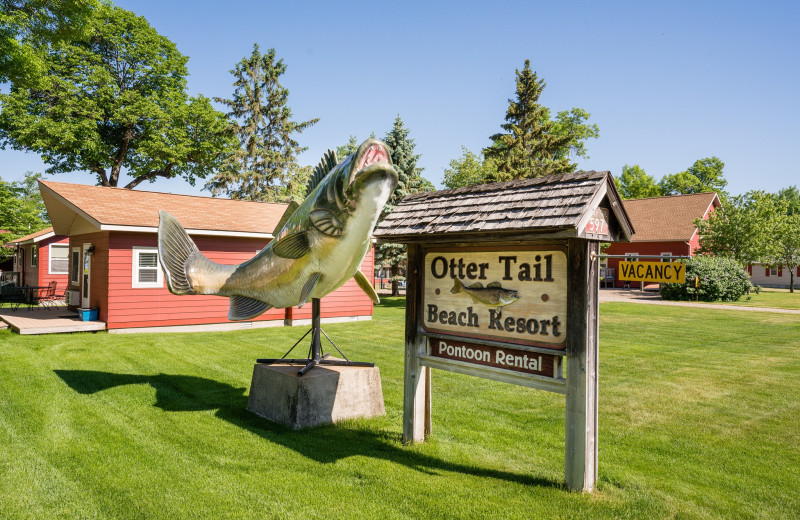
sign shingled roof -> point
(554, 202)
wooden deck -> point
(43, 321)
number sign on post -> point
(502, 284)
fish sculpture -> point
(493, 295)
(318, 245)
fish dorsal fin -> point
(362, 282)
(494, 285)
(293, 245)
(286, 216)
(327, 222)
(305, 294)
(476, 285)
(326, 164)
(244, 308)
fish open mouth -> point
(372, 158)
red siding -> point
(45, 277)
(644, 248)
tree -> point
(22, 211)
(347, 149)
(114, 98)
(791, 196)
(741, 229)
(634, 183)
(469, 169)
(410, 181)
(785, 248)
(532, 144)
(703, 176)
(27, 27)
(263, 165)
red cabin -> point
(664, 228)
(113, 257)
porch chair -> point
(47, 296)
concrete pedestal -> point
(326, 394)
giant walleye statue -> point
(318, 245)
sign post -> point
(511, 298)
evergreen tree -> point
(531, 145)
(266, 161)
(349, 148)
(22, 211)
(410, 181)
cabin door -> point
(86, 276)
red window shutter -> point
(780, 270)
(750, 270)
(767, 269)
(798, 270)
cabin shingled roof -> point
(554, 201)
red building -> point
(41, 258)
(664, 228)
(113, 257)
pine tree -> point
(410, 181)
(266, 161)
(531, 146)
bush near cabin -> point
(720, 279)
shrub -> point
(720, 279)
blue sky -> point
(667, 82)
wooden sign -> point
(662, 272)
(597, 226)
(516, 296)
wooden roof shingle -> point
(544, 203)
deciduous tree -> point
(469, 169)
(22, 211)
(634, 183)
(114, 98)
(263, 166)
(703, 176)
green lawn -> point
(771, 298)
(698, 419)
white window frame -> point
(34, 255)
(631, 257)
(773, 271)
(50, 258)
(666, 257)
(135, 283)
(75, 265)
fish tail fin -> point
(174, 250)
(457, 286)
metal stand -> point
(315, 355)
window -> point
(59, 259)
(773, 271)
(74, 275)
(631, 257)
(146, 271)
(34, 255)
(666, 257)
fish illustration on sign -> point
(493, 295)
(318, 245)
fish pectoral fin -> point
(244, 308)
(293, 245)
(494, 285)
(327, 222)
(362, 282)
(305, 294)
(475, 299)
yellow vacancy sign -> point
(663, 272)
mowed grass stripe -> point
(698, 419)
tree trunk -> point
(395, 270)
(791, 278)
